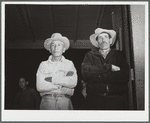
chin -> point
(58, 55)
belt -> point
(55, 95)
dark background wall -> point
(25, 62)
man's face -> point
(57, 48)
(22, 83)
(104, 41)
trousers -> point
(50, 102)
(102, 102)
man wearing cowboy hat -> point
(105, 72)
(56, 77)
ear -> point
(64, 50)
(110, 40)
(50, 50)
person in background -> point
(105, 72)
(57, 76)
(26, 98)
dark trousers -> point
(113, 102)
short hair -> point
(102, 33)
(24, 76)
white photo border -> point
(39, 115)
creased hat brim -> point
(63, 39)
(111, 32)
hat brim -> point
(112, 39)
(62, 39)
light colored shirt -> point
(58, 71)
(104, 53)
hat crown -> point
(56, 35)
(98, 30)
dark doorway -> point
(25, 62)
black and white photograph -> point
(74, 61)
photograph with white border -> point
(24, 32)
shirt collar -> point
(107, 51)
(104, 54)
(63, 59)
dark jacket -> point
(27, 99)
(97, 72)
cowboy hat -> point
(56, 37)
(98, 31)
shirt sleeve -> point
(41, 84)
(67, 81)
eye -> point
(100, 37)
(52, 45)
(106, 36)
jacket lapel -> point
(110, 54)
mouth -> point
(56, 51)
(104, 43)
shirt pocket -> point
(48, 72)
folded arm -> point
(41, 84)
(107, 73)
(89, 70)
(117, 76)
(69, 80)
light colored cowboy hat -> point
(98, 31)
(56, 37)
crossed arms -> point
(53, 81)
(105, 73)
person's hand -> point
(59, 86)
(83, 84)
(83, 88)
(48, 79)
(65, 90)
(84, 92)
(70, 73)
(115, 68)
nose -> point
(103, 39)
